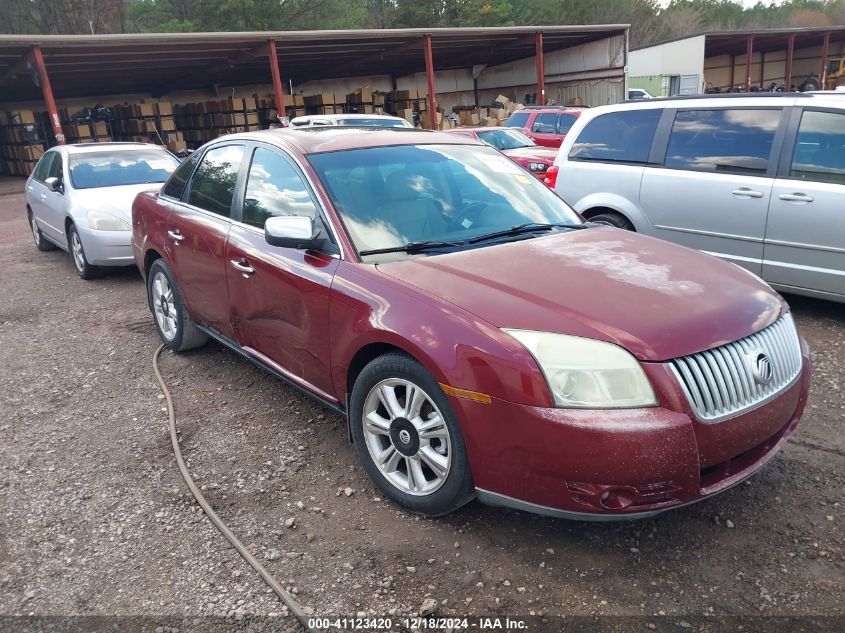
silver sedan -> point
(79, 198)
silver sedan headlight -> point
(587, 374)
(102, 221)
(538, 166)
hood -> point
(536, 153)
(115, 200)
(656, 299)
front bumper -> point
(624, 463)
(107, 248)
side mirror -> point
(293, 231)
(54, 184)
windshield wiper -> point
(411, 247)
(528, 227)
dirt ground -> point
(95, 519)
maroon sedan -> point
(516, 146)
(477, 336)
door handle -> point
(745, 192)
(796, 197)
(242, 267)
(176, 236)
(30, 188)
(43, 196)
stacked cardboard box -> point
(22, 141)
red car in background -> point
(478, 337)
(545, 125)
(515, 145)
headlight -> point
(588, 374)
(538, 166)
(102, 221)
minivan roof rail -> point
(554, 107)
(723, 95)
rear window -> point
(730, 141)
(517, 119)
(117, 168)
(623, 136)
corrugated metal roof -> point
(85, 65)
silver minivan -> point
(757, 180)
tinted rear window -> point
(618, 136)
(820, 148)
(731, 141)
(517, 119)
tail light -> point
(551, 177)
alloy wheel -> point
(36, 234)
(76, 251)
(407, 437)
(164, 305)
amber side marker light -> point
(468, 395)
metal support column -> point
(539, 63)
(47, 90)
(277, 78)
(787, 76)
(749, 51)
(823, 70)
(429, 75)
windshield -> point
(120, 167)
(376, 122)
(505, 139)
(390, 196)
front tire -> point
(41, 242)
(613, 219)
(407, 436)
(77, 253)
(173, 323)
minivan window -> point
(176, 185)
(517, 119)
(274, 188)
(820, 148)
(623, 136)
(213, 185)
(724, 141)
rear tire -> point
(613, 219)
(77, 254)
(41, 242)
(174, 325)
(407, 437)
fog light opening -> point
(618, 498)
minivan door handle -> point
(745, 192)
(796, 197)
(176, 236)
(242, 266)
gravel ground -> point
(95, 519)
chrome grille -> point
(725, 381)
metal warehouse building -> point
(441, 68)
(737, 60)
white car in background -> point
(79, 198)
(356, 120)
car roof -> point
(317, 140)
(83, 148)
(573, 109)
(338, 117)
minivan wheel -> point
(41, 242)
(613, 219)
(77, 253)
(174, 326)
(407, 436)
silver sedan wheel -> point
(407, 436)
(35, 232)
(76, 251)
(164, 306)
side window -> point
(566, 122)
(176, 185)
(731, 141)
(42, 169)
(275, 187)
(213, 185)
(545, 123)
(820, 148)
(623, 136)
(56, 170)
(517, 119)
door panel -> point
(281, 309)
(805, 239)
(544, 129)
(55, 204)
